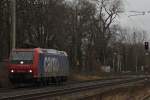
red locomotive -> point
(38, 65)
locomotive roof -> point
(53, 51)
(41, 50)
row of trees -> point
(82, 28)
(129, 50)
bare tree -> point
(107, 12)
(5, 28)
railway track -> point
(29, 87)
(146, 97)
(67, 89)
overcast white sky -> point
(141, 21)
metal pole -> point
(76, 36)
(113, 64)
(13, 23)
(136, 65)
(146, 61)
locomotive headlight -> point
(30, 71)
(12, 70)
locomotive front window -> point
(26, 56)
(21, 55)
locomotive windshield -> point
(26, 56)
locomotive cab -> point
(20, 65)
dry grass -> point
(81, 77)
(78, 76)
(132, 93)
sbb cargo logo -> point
(51, 64)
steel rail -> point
(40, 93)
(69, 91)
(146, 97)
